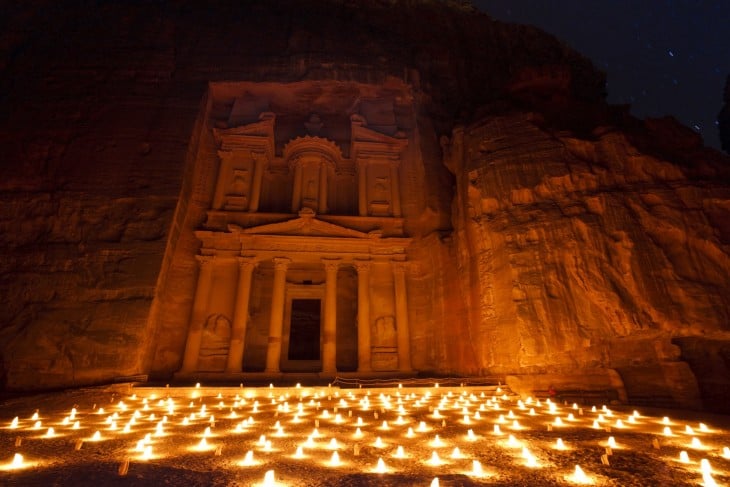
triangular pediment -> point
(262, 128)
(307, 225)
(361, 133)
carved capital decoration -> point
(281, 263)
(362, 266)
(245, 261)
(331, 264)
(399, 266)
(205, 260)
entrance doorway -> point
(304, 331)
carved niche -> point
(244, 154)
(313, 160)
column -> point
(258, 176)
(395, 188)
(363, 315)
(322, 206)
(329, 332)
(401, 316)
(276, 323)
(362, 188)
(246, 266)
(197, 315)
(296, 201)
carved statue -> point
(384, 332)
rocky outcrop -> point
(585, 253)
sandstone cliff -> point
(568, 241)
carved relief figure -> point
(384, 332)
(214, 343)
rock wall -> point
(552, 246)
(586, 253)
(99, 101)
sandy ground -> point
(72, 457)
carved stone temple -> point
(303, 263)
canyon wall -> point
(585, 252)
(545, 249)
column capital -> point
(362, 265)
(205, 260)
(281, 263)
(331, 264)
(400, 266)
(246, 261)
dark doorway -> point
(304, 329)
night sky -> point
(662, 57)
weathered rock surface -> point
(583, 253)
(563, 239)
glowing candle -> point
(76, 425)
(434, 460)
(665, 420)
(512, 441)
(247, 459)
(379, 443)
(410, 433)
(50, 433)
(531, 460)
(35, 416)
(688, 429)
(683, 457)
(579, 476)
(14, 424)
(399, 453)
(470, 435)
(708, 481)
(17, 461)
(335, 460)
(726, 452)
(476, 468)
(37, 425)
(456, 453)
(437, 441)
(299, 453)
(705, 467)
(435, 482)
(703, 428)
(333, 445)
(147, 453)
(559, 444)
(611, 442)
(696, 443)
(96, 436)
(497, 430)
(380, 467)
(667, 431)
(269, 479)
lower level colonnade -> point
(382, 335)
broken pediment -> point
(307, 224)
